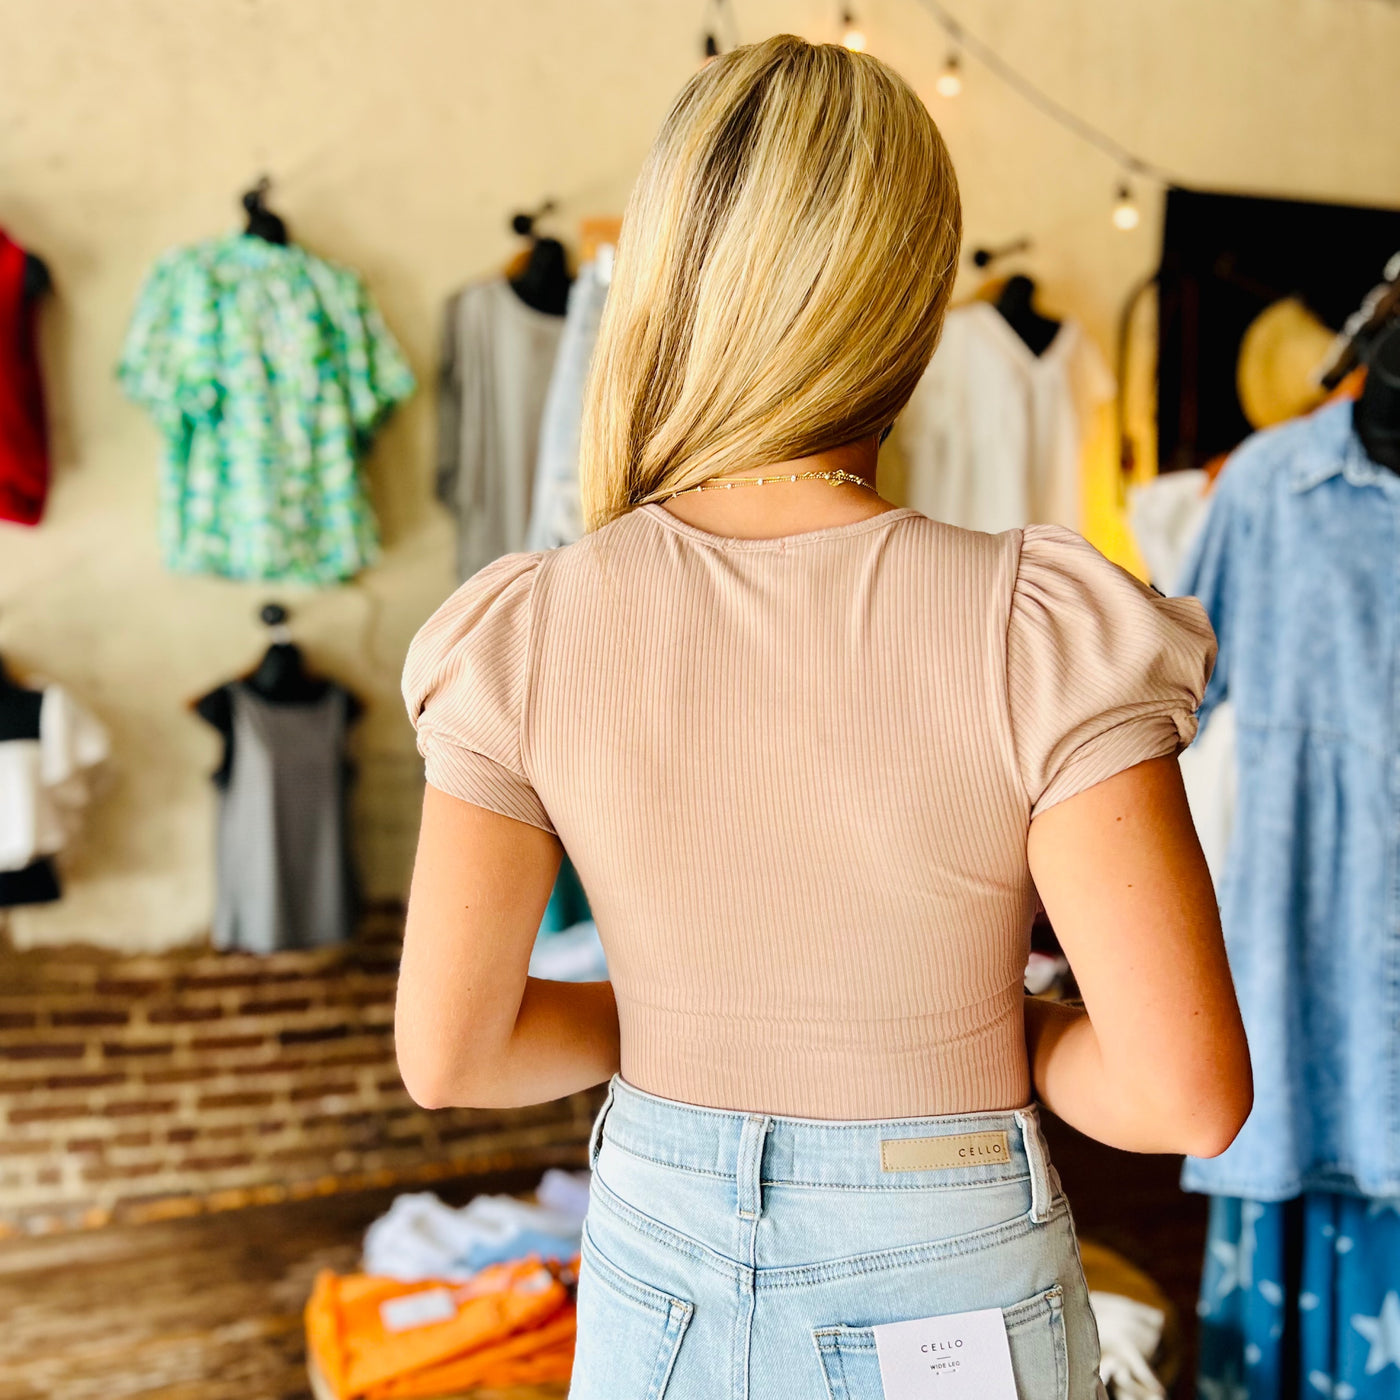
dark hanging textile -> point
(1225, 258)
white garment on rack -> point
(45, 782)
(1165, 515)
(556, 513)
(1129, 1334)
(1209, 773)
(994, 433)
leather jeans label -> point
(934, 1154)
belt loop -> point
(748, 1168)
(595, 1138)
(1038, 1159)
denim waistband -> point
(759, 1149)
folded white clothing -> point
(565, 1192)
(420, 1237)
(1129, 1335)
(574, 954)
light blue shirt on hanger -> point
(1299, 568)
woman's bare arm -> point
(471, 1029)
(1156, 1061)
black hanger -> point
(1016, 304)
(1376, 414)
(281, 675)
(985, 257)
(545, 282)
(262, 222)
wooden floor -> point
(205, 1308)
(209, 1308)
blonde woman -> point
(813, 756)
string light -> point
(949, 82)
(852, 35)
(1126, 215)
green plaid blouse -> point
(267, 371)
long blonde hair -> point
(785, 263)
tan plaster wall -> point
(401, 134)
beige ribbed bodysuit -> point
(796, 775)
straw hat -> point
(1279, 354)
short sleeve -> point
(464, 684)
(72, 745)
(379, 376)
(1103, 672)
(166, 364)
(71, 741)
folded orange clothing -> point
(366, 1332)
(544, 1353)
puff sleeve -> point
(1103, 672)
(465, 686)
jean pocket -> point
(1035, 1331)
(629, 1333)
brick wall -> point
(139, 1088)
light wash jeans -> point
(734, 1256)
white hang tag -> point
(417, 1309)
(960, 1356)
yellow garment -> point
(513, 1322)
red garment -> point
(24, 439)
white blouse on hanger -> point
(994, 433)
(45, 782)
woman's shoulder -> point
(976, 566)
(1072, 597)
(1102, 670)
(502, 587)
(481, 628)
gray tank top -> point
(284, 872)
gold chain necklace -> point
(715, 483)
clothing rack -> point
(1381, 306)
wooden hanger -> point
(594, 232)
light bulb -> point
(852, 36)
(1125, 212)
(949, 83)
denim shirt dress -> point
(1298, 567)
